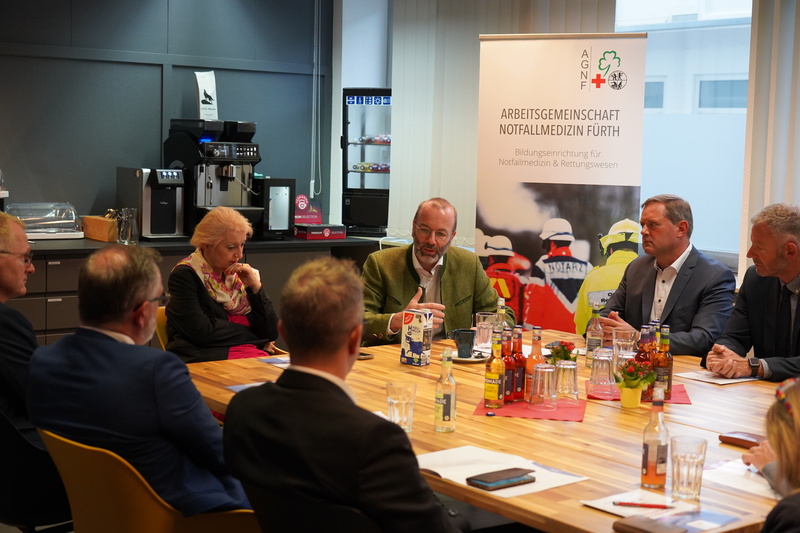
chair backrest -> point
(31, 491)
(161, 326)
(107, 494)
(280, 512)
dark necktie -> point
(783, 325)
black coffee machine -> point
(217, 158)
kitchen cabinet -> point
(51, 302)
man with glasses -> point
(16, 331)
(427, 274)
(103, 387)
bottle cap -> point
(447, 354)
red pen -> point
(645, 505)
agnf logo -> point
(616, 79)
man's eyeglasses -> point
(162, 300)
(27, 259)
(439, 235)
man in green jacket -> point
(425, 275)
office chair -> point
(31, 491)
(161, 326)
(285, 513)
(107, 494)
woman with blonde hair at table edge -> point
(783, 434)
(218, 308)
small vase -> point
(630, 398)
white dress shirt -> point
(664, 281)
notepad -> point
(457, 464)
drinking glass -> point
(543, 388)
(601, 381)
(400, 399)
(623, 357)
(624, 340)
(688, 456)
(567, 383)
(484, 323)
(127, 226)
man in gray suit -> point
(673, 282)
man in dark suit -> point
(673, 282)
(16, 331)
(102, 388)
(764, 315)
(304, 435)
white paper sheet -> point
(279, 361)
(640, 496)
(457, 464)
(712, 377)
(738, 475)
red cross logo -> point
(598, 81)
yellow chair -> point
(161, 326)
(107, 494)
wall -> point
(88, 85)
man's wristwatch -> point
(755, 365)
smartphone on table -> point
(501, 479)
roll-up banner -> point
(559, 162)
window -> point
(698, 54)
(653, 94)
(723, 94)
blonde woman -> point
(783, 434)
(218, 308)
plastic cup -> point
(400, 397)
(688, 455)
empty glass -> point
(567, 383)
(484, 322)
(400, 397)
(624, 341)
(601, 382)
(127, 226)
(543, 388)
(623, 357)
(688, 455)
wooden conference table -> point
(606, 447)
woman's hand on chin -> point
(249, 275)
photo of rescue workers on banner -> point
(556, 249)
